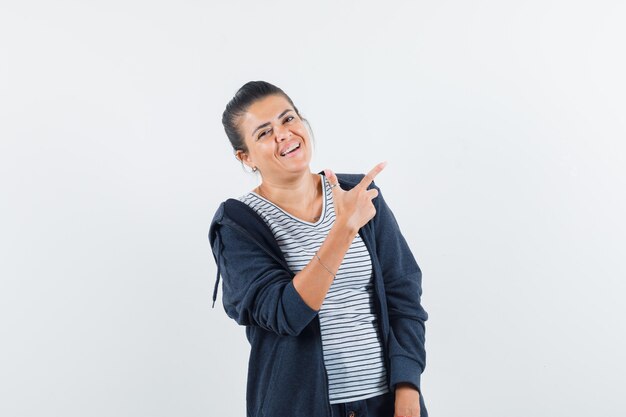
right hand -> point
(354, 208)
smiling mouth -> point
(290, 149)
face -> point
(277, 139)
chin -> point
(299, 167)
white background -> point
(503, 123)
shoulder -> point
(233, 212)
(240, 224)
(231, 209)
(349, 180)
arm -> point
(259, 290)
(353, 209)
(314, 281)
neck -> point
(299, 191)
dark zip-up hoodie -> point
(286, 373)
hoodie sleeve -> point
(257, 290)
(402, 279)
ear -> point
(245, 158)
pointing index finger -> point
(369, 177)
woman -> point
(315, 267)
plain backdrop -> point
(504, 125)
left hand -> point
(407, 402)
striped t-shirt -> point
(350, 341)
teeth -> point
(291, 148)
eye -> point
(263, 133)
(288, 119)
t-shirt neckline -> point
(322, 215)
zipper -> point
(377, 304)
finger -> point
(332, 179)
(372, 194)
(369, 177)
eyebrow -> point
(268, 123)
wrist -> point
(342, 230)
(406, 388)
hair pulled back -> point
(247, 95)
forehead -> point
(263, 111)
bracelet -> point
(325, 267)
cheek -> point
(266, 149)
(302, 131)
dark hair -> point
(247, 95)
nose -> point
(282, 133)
